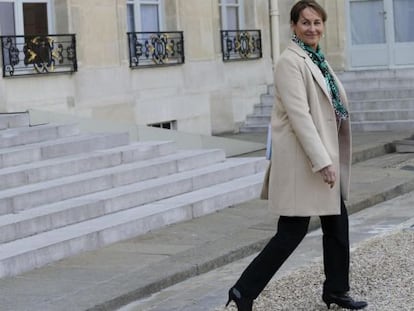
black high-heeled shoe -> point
(243, 304)
(343, 300)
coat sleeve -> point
(291, 89)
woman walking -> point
(310, 164)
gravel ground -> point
(382, 273)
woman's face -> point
(309, 27)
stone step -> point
(59, 214)
(367, 126)
(406, 145)
(383, 104)
(257, 119)
(10, 120)
(260, 109)
(271, 89)
(382, 115)
(386, 83)
(262, 128)
(76, 164)
(60, 147)
(267, 99)
(25, 197)
(381, 94)
(35, 251)
(405, 73)
(27, 135)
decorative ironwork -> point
(149, 49)
(40, 54)
(241, 44)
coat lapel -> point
(316, 72)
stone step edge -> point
(93, 153)
(109, 225)
(14, 119)
(11, 198)
(380, 100)
(58, 141)
(258, 115)
(54, 148)
(384, 122)
(94, 204)
(21, 136)
(405, 141)
(383, 110)
(59, 128)
(386, 89)
(124, 152)
(189, 270)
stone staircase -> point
(380, 100)
(63, 192)
(258, 121)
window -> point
(7, 19)
(144, 15)
(25, 17)
(170, 125)
(28, 42)
(35, 18)
(231, 14)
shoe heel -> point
(231, 298)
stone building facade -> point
(202, 93)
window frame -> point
(223, 6)
(18, 14)
(137, 13)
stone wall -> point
(204, 96)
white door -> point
(368, 44)
(403, 21)
(380, 33)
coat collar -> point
(316, 72)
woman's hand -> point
(329, 175)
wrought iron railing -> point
(40, 54)
(149, 49)
(241, 45)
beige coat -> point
(305, 139)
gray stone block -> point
(60, 147)
(51, 216)
(267, 99)
(27, 135)
(381, 94)
(382, 104)
(27, 253)
(381, 115)
(76, 164)
(404, 146)
(10, 120)
(372, 126)
(30, 196)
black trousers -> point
(290, 232)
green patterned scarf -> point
(319, 59)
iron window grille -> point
(38, 54)
(154, 49)
(239, 45)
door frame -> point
(391, 45)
